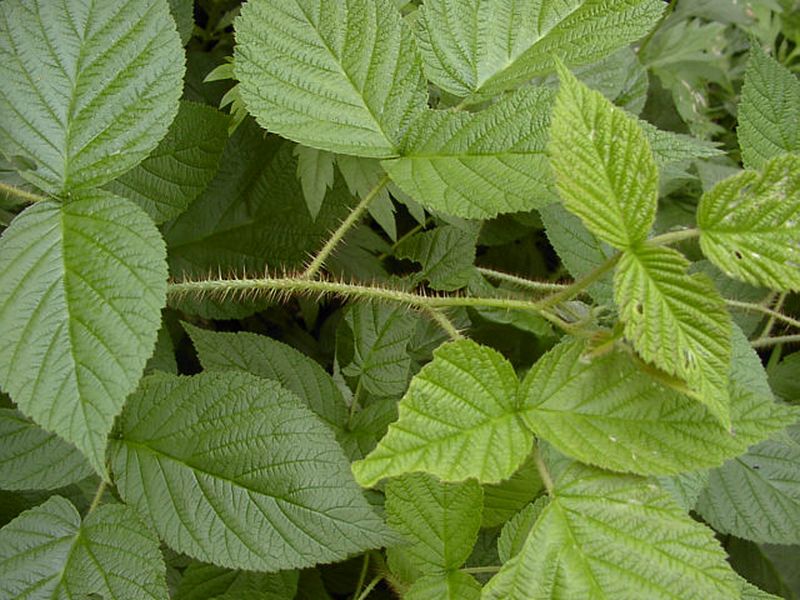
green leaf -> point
(455, 585)
(474, 46)
(82, 285)
(769, 110)
(343, 77)
(362, 176)
(379, 336)
(676, 321)
(457, 421)
(503, 500)
(476, 165)
(315, 170)
(607, 412)
(515, 533)
(80, 114)
(614, 536)
(750, 225)
(46, 552)
(182, 165)
(446, 253)
(33, 459)
(756, 496)
(183, 13)
(604, 169)
(201, 582)
(685, 488)
(440, 521)
(266, 488)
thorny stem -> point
(539, 286)
(355, 215)
(445, 323)
(98, 496)
(773, 314)
(544, 473)
(21, 194)
(773, 341)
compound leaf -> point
(234, 470)
(769, 110)
(614, 536)
(79, 113)
(604, 169)
(488, 46)
(676, 321)
(46, 552)
(457, 421)
(476, 165)
(750, 224)
(82, 285)
(339, 76)
(34, 459)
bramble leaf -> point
(339, 76)
(315, 171)
(454, 585)
(457, 421)
(676, 321)
(750, 224)
(234, 470)
(204, 582)
(89, 89)
(82, 285)
(604, 169)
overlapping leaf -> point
(457, 421)
(47, 552)
(604, 168)
(476, 165)
(446, 253)
(203, 582)
(455, 585)
(234, 470)
(750, 224)
(503, 500)
(338, 76)
(89, 89)
(614, 536)
(488, 46)
(677, 322)
(82, 285)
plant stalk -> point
(21, 194)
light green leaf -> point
(79, 113)
(607, 412)
(266, 488)
(676, 321)
(34, 459)
(376, 337)
(455, 585)
(769, 110)
(476, 165)
(750, 225)
(201, 582)
(46, 552)
(503, 500)
(446, 253)
(82, 285)
(669, 147)
(439, 521)
(751, 592)
(488, 46)
(315, 170)
(457, 421)
(685, 488)
(182, 165)
(614, 536)
(338, 76)
(604, 169)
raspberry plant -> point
(449, 299)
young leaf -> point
(614, 536)
(604, 168)
(440, 521)
(46, 552)
(82, 285)
(455, 585)
(607, 412)
(89, 88)
(676, 321)
(234, 470)
(446, 253)
(489, 46)
(315, 170)
(476, 165)
(750, 225)
(503, 500)
(182, 165)
(34, 459)
(339, 76)
(201, 582)
(769, 110)
(457, 421)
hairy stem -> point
(479, 570)
(354, 217)
(776, 311)
(445, 323)
(773, 341)
(98, 496)
(577, 287)
(538, 286)
(362, 577)
(673, 237)
(21, 194)
(371, 586)
(544, 473)
(773, 314)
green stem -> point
(416, 229)
(367, 590)
(355, 215)
(98, 496)
(772, 341)
(577, 287)
(544, 473)
(773, 314)
(673, 237)
(479, 570)
(362, 576)
(446, 324)
(538, 286)
(21, 194)
(776, 311)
